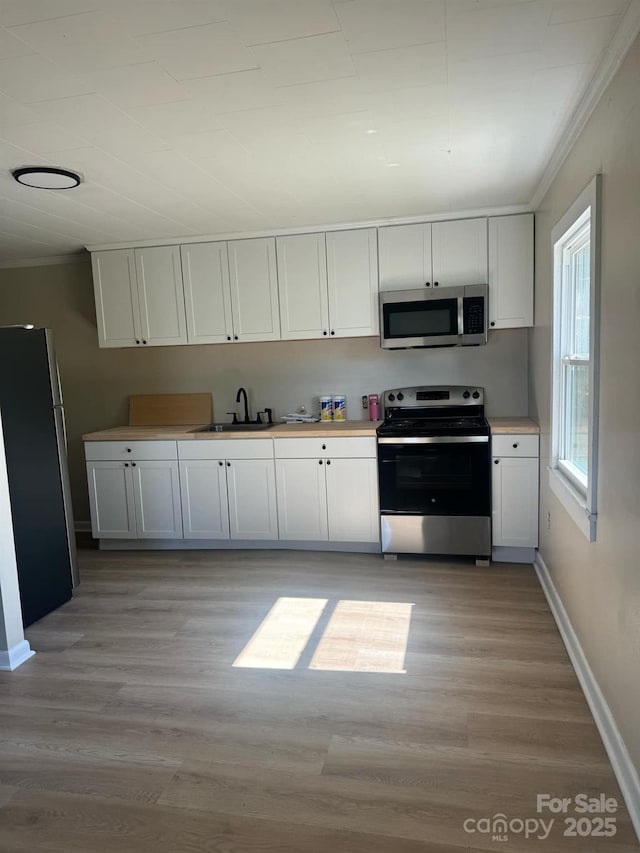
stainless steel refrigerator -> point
(36, 452)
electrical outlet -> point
(549, 520)
(365, 402)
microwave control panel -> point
(473, 315)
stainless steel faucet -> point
(241, 391)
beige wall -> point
(282, 375)
(600, 583)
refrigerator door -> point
(35, 472)
(61, 441)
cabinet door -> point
(352, 500)
(203, 490)
(511, 271)
(460, 252)
(515, 502)
(352, 274)
(207, 297)
(111, 500)
(302, 286)
(254, 290)
(251, 485)
(405, 256)
(302, 499)
(161, 295)
(116, 295)
(156, 486)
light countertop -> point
(516, 426)
(499, 426)
(181, 433)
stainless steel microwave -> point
(449, 317)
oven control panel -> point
(423, 396)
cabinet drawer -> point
(137, 450)
(336, 448)
(226, 448)
(515, 445)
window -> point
(576, 257)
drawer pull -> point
(516, 444)
(128, 450)
(324, 446)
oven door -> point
(449, 475)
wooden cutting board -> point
(170, 409)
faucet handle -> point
(268, 413)
(235, 417)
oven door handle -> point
(437, 439)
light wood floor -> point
(131, 730)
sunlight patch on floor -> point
(361, 636)
(365, 636)
(283, 634)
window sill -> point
(574, 503)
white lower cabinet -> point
(205, 507)
(113, 515)
(515, 492)
(327, 499)
(315, 490)
(352, 500)
(251, 484)
(302, 499)
(228, 489)
(134, 500)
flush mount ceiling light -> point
(46, 178)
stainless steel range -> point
(434, 472)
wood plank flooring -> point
(131, 730)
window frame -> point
(577, 493)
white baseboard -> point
(623, 766)
(13, 657)
(234, 545)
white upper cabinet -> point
(459, 250)
(352, 277)
(254, 289)
(302, 283)
(511, 271)
(207, 296)
(139, 297)
(328, 284)
(116, 294)
(161, 295)
(405, 256)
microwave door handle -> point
(460, 316)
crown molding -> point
(51, 260)
(504, 210)
(609, 64)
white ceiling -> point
(192, 117)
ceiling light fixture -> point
(46, 177)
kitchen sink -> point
(233, 427)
